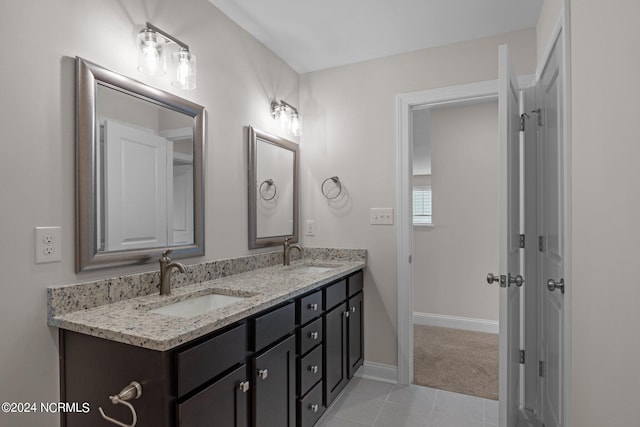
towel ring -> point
(337, 182)
(269, 183)
(132, 391)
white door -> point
(182, 205)
(550, 176)
(137, 181)
(510, 279)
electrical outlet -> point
(310, 227)
(381, 216)
(48, 244)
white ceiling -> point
(312, 35)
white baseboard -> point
(455, 322)
(378, 372)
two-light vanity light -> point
(153, 48)
(287, 117)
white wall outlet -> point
(381, 216)
(48, 244)
(310, 227)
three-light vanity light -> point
(287, 116)
(153, 47)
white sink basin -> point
(197, 306)
(314, 268)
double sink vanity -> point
(272, 346)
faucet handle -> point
(166, 253)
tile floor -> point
(372, 403)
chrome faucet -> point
(286, 254)
(166, 265)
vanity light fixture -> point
(152, 46)
(287, 116)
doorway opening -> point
(455, 239)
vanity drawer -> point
(355, 283)
(309, 370)
(310, 336)
(310, 407)
(200, 363)
(335, 294)
(309, 307)
(270, 327)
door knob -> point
(552, 285)
(492, 278)
(518, 280)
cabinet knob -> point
(346, 313)
(313, 307)
(263, 373)
(313, 369)
(314, 407)
(353, 309)
(244, 386)
(313, 335)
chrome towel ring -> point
(338, 184)
(269, 183)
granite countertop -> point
(130, 321)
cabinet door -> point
(335, 356)
(223, 404)
(356, 336)
(274, 396)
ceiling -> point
(313, 35)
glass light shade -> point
(185, 69)
(295, 124)
(283, 118)
(151, 57)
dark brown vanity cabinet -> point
(344, 337)
(281, 367)
(274, 368)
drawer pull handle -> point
(244, 386)
(313, 307)
(263, 373)
(353, 309)
(314, 407)
(313, 335)
(313, 369)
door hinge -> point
(522, 357)
(540, 368)
(522, 241)
(541, 243)
(522, 117)
(539, 113)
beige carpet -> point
(456, 360)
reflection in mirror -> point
(273, 189)
(139, 171)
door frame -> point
(464, 94)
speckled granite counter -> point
(129, 321)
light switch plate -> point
(48, 244)
(381, 216)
